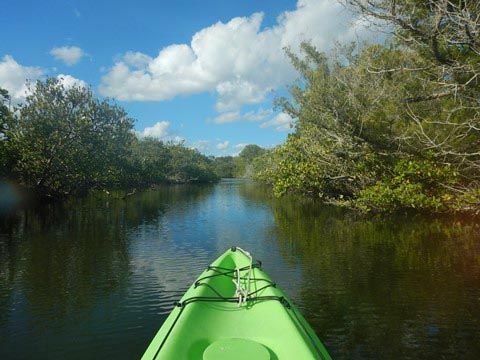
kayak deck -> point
(209, 322)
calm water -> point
(95, 278)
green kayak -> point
(235, 311)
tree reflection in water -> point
(99, 275)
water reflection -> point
(385, 288)
(66, 270)
(97, 276)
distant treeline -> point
(241, 166)
(388, 127)
(63, 141)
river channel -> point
(94, 278)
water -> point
(96, 277)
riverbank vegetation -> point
(380, 127)
(63, 141)
(241, 166)
(388, 127)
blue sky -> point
(203, 72)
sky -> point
(204, 72)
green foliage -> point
(188, 165)
(388, 127)
(224, 166)
(415, 185)
(64, 139)
(146, 164)
(153, 162)
(314, 162)
(263, 165)
(5, 121)
(4, 110)
(240, 167)
(250, 152)
(245, 160)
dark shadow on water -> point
(383, 288)
(98, 275)
(59, 260)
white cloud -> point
(238, 149)
(236, 116)
(70, 55)
(159, 130)
(281, 122)
(201, 145)
(136, 59)
(69, 81)
(228, 117)
(239, 146)
(233, 93)
(13, 77)
(238, 61)
(177, 139)
(223, 145)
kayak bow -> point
(235, 311)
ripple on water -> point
(91, 281)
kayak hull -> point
(209, 314)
